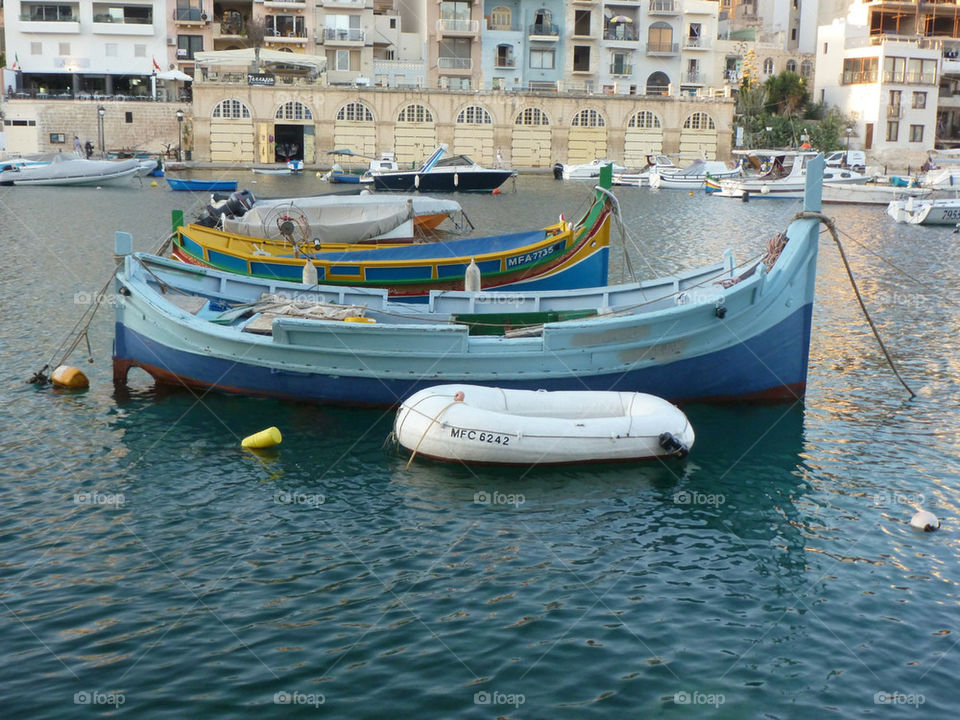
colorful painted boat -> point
(204, 185)
(561, 256)
(717, 333)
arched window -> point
(644, 119)
(768, 66)
(415, 114)
(588, 118)
(474, 115)
(532, 116)
(501, 18)
(791, 66)
(355, 112)
(699, 121)
(658, 84)
(231, 109)
(294, 110)
(660, 38)
(542, 22)
(806, 68)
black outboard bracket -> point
(669, 442)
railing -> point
(455, 63)
(618, 34)
(696, 42)
(102, 18)
(189, 14)
(900, 76)
(858, 77)
(692, 77)
(236, 28)
(38, 17)
(663, 48)
(503, 27)
(344, 34)
(461, 26)
(361, 3)
(663, 6)
(504, 62)
(880, 39)
(621, 69)
(544, 29)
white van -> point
(856, 160)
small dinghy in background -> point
(477, 424)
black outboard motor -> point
(558, 171)
(235, 205)
(240, 202)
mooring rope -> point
(432, 421)
(831, 226)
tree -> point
(256, 31)
(787, 94)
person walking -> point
(77, 146)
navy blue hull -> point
(770, 366)
(483, 181)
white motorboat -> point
(869, 193)
(694, 175)
(67, 169)
(938, 211)
(786, 176)
(477, 424)
(941, 178)
(641, 178)
(590, 170)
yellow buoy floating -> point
(70, 377)
(263, 439)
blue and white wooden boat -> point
(204, 185)
(718, 333)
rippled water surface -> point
(149, 567)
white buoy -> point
(471, 280)
(925, 520)
(309, 273)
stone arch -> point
(698, 137)
(768, 66)
(588, 136)
(354, 129)
(293, 110)
(791, 65)
(473, 134)
(643, 136)
(415, 134)
(531, 141)
(231, 108)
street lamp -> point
(179, 135)
(100, 113)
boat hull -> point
(941, 211)
(436, 181)
(202, 185)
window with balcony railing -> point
(188, 13)
(344, 34)
(619, 31)
(544, 29)
(455, 63)
(124, 14)
(49, 13)
(457, 25)
(661, 47)
(859, 71)
(663, 6)
(621, 68)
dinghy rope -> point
(81, 329)
(456, 398)
(832, 228)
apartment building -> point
(892, 67)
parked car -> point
(856, 160)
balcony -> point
(229, 29)
(696, 43)
(354, 4)
(37, 23)
(504, 63)
(455, 64)
(289, 37)
(663, 48)
(343, 36)
(448, 26)
(663, 7)
(621, 69)
(544, 32)
(694, 78)
(620, 35)
(189, 15)
(109, 25)
(894, 112)
(286, 4)
(859, 77)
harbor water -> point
(151, 568)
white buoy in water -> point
(925, 520)
(471, 280)
(309, 273)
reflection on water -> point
(774, 567)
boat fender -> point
(456, 179)
(471, 279)
(309, 276)
(720, 310)
(264, 439)
(67, 376)
(669, 442)
(558, 171)
(765, 190)
(925, 520)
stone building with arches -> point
(241, 124)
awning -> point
(174, 75)
(245, 57)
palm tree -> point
(255, 34)
(787, 93)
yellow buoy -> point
(153, 183)
(69, 377)
(263, 439)
(359, 319)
